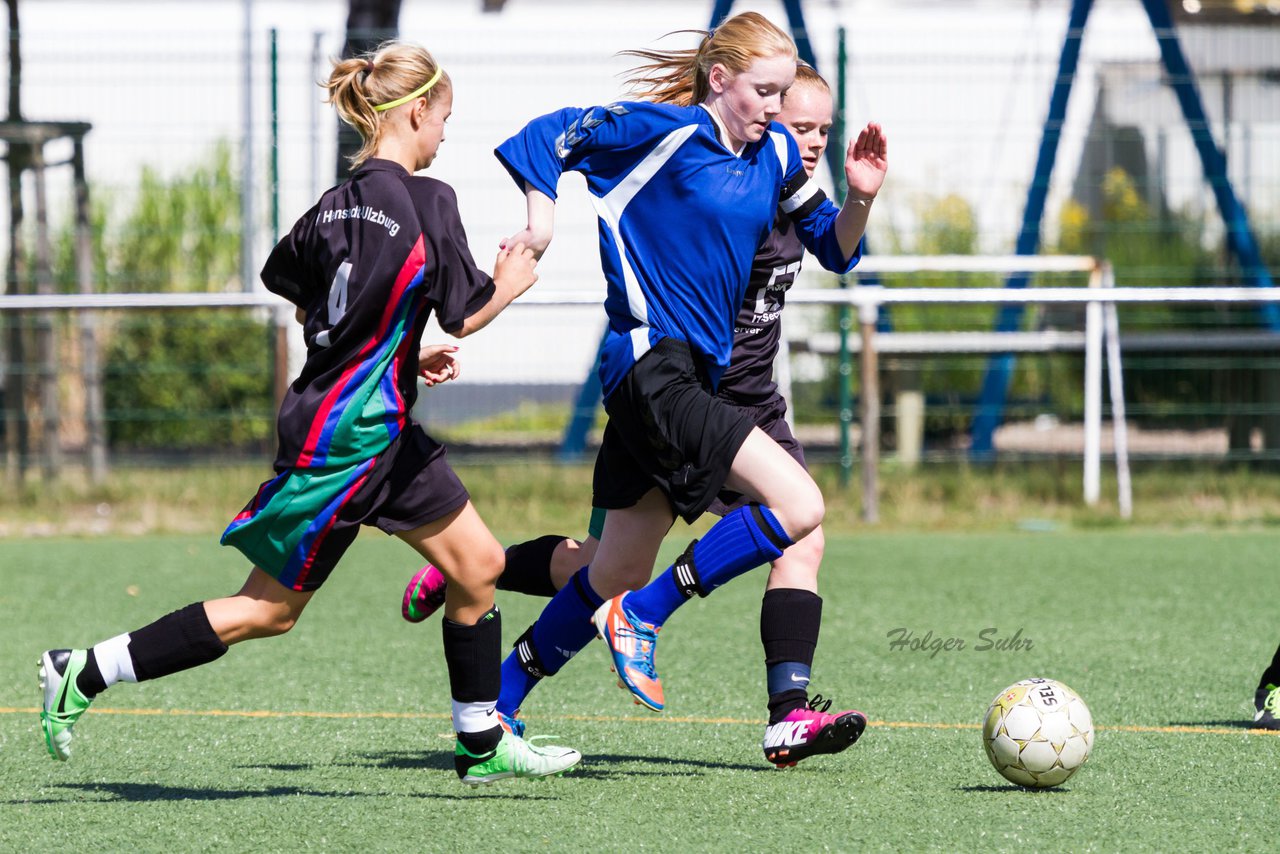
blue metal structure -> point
(584, 410)
(995, 384)
(1240, 237)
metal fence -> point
(183, 197)
(1224, 405)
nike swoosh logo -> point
(489, 713)
(803, 680)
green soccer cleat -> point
(1267, 702)
(63, 702)
(513, 757)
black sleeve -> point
(288, 271)
(454, 285)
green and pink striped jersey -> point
(368, 264)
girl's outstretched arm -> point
(541, 224)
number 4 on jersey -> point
(337, 301)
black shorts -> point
(667, 429)
(411, 488)
(301, 522)
(771, 417)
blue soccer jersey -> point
(681, 217)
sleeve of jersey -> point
(455, 285)
(287, 272)
(814, 215)
(594, 140)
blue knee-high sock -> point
(563, 628)
(742, 540)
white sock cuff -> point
(114, 660)
(475, 717)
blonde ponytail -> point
(359, 85)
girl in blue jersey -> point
(791, 612)
(366, 267)
(685, 196)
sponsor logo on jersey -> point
(365, 212)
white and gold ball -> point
(1037, 733)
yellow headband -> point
(416, 93)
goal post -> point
(1101, 334)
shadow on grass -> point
(153, 792)
(1013, 787)
(595, 766)
(412, 760)
(672, 763)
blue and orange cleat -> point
(424, 595)
(512, 723)
(631, 642)
(809, 731)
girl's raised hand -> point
(866, 161)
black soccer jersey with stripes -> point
(758, 330)
(367, 265)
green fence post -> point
(846, 363)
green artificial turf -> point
(1163, 635)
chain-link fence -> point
(191, 175)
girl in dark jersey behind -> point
(366, 267)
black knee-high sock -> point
(175, 642)
(529, 567)
(473, 655)
(1271, 676)
(789, 624)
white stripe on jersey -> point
(639, 341)
(780, 146)
(610, 208)
(794, 201)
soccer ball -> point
(1037, 732)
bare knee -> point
(808, 551)
(481, 567)
(609, 581)
(801, 514)
(797, 568)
